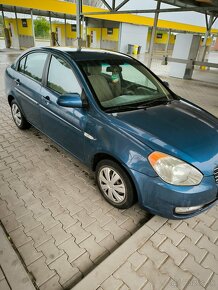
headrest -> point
(94, 69)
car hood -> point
(179, 128)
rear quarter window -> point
(21, 66)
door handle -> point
(17, 81)
(47, 98)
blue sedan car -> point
(112, 113)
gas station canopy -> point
(210, 6)
(62, 9)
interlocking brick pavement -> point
(147, 263)
(51, 207)
(65, 270)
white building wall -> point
(132, 34)
(186, 47)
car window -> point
(33, 65)
(21, 67)
(61, 78)
(122, 83)
(132, 74)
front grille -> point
(216, 174)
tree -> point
(41, 27)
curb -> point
(12, 268)
(97, 276)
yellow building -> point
(24, 28)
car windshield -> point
(123, 84)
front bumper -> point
(162, 198)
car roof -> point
(84, 53)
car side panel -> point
(27, 93)
(10, 75)
(64, 125)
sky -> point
(183, 17)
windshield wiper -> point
(138, 106)
(125, 108)
(156, 102)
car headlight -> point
(173, 170)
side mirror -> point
(166, 84)
(70, 100)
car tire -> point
(18, 117)
(114, 184)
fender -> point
(124, 148)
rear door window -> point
(33, 65)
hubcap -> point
(112, 184)
(16, 114)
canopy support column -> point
(78, 22)
(168, 41)
(209, 25)
(6, 31)
(18, 35)
(3, 17)
(65, 29)
(51, 36)
(153, 34)
(33, 30)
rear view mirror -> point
(70, 100)
(114, 69)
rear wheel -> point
(18, 117)
(114, 184)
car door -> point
(64, 125)
(28, 85)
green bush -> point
(41, 27)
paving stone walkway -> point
(163, 254)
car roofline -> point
(71, 50)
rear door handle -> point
(17, 81)
(47, 98)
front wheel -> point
(18, 117)
(114, 184)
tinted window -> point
(61, 77)
(34, 65)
